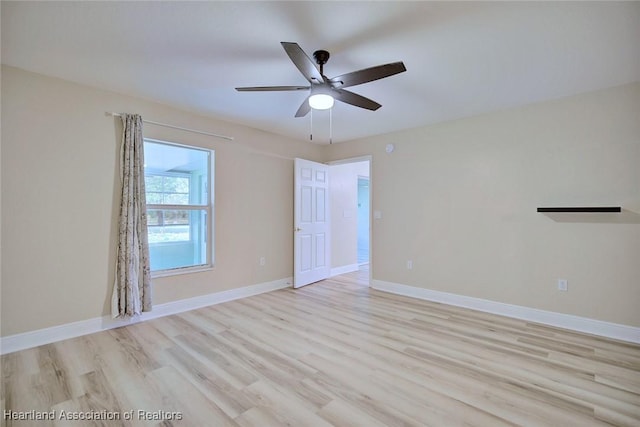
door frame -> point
(358, 159)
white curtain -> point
(132, 289)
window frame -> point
(208, 207)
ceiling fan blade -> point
(304, 108)
(300, 59)
(368, 75)
(270, 88)
(355, 99)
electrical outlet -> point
(263, 261)
(409, 265)
(563, 285)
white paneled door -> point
(312, 223)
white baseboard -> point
(17, 342)
(12, 343)
(344, 269)
(566, 321)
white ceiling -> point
(462, 58)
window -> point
(178, 183)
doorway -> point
(363, 220)
(350, 198)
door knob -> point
(298, 229)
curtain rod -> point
(229, 138)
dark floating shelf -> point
(582, 209)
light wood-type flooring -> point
(333, 353)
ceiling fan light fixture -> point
(321, 101)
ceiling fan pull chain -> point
(311, 126)
(330, 125)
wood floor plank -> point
(418, 404)
(190, 406)
(287, 409)
(259, 416)
(98, 399)
(52, 382)
(207, 380)
(226, 366)
(332, 353)
(341, 413)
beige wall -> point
(344, 212)
(460, 198)
(60, 201)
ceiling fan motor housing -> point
(321, 56)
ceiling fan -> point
(322, 90)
